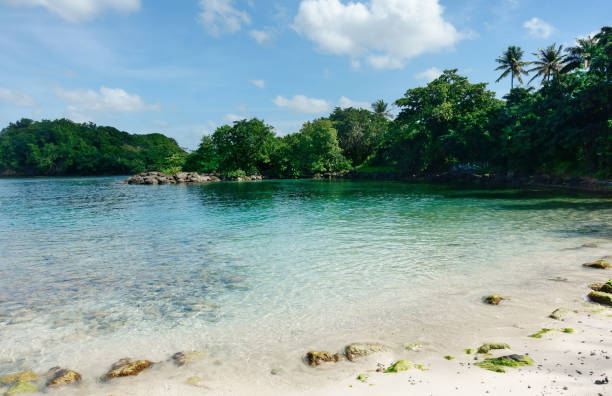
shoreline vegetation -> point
(449, 130)
(499, 357)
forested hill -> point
(63, 147)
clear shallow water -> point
(92, 271)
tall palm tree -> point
(511, 63)
(549, 63)
(381, 108)
(580, 56)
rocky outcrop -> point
(315, 358)
(357, 351)
(58, 377)
(155, 178)
(599, 264)
(601, 298)
(127, 367)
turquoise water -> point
(92, 270)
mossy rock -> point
(403, 365)
(601, 297)
(599, 264)
(356, 351)
(23, 376)
(315, 358)
(540, 333)
(602, 287)
(20, 387)
(58, 377)
(499, 364)
(493, 299)
(127, 367)
(486, 348)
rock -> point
(601, 297)
(23, 376)
(20, 387)
(493, 299)
(182, 358)
(485, 348)
(602, 287)
(357, 351)
(58, 377)
(315, 358)
(126, 367)
(600, 264)
(402, 365)
(499, 364)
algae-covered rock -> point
(485, 348)
(357, 351)
(602, 287)
(600, 264)
(23, 376)
(20, 387)
(403, 365)
(540, 333)
(127, 367)
(493, 299)
(59, 377)
(499, 364)
(182, 358)
(601, 297)
(315, 358)
(275, 371)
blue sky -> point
(184, 67)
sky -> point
(185, 67)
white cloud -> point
(231, 118)
(302, 104)
(384, 32)
(220, 16)
(79, 10)
(258, 83)
(429, 75)
(538, 28)
(261, 36)
(82, 103)
(345, 102)
(16, 98)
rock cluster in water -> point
(155, 178)
(352, 352)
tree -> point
(511, 63)
(548, 64)
(205, 159)
(579, 56)
(381, 108)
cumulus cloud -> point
(79, 10)
(345, 102)
(538, 28)
(258, 83)
(430, 74)
(231, 118)
(261, 36)
(386, 33)
(16, 98)
(302, 104)
(220, 16)
(81, 103)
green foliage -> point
(173, 164)
(205, 159)
(62, 147)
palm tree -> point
(549, 63)
(381, 108)
(511, 63)
(580, 56)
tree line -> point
(563, 127)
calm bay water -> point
(92, 270)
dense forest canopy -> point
(63, 147)
(562, 128)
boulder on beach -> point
(599, 264)
(22, 376)
(602, 287)
(601, 297)
(493, 299)
(315, 358)
(58, 377)
(357, 351)
(127, 367)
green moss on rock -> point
(23, 376)
(601, 297)
(486, 348)
(315, 358)
(493, 299)
(20, 387)
(403, 365)
(599, 264)
(500, 364)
